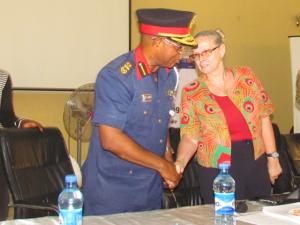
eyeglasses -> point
(205, 54)
(178, 47)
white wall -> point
(61, 43)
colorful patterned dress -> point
(203, 119)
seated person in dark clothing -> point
(9, 119)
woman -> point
(226, 117)
(9, 119)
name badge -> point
(146, 97)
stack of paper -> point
(289, 212)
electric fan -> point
(78, 113)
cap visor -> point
(187, 40)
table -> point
(192, 215)
(180, 216)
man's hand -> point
(170, 175)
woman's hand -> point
(186, 149)
(179, 166)
(274, 168)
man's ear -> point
(157, 41)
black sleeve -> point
(7, 114)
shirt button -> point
(159, 120)
(161, 140)
(130, 172)
(145, 112)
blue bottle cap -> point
(224, 165)
(70, 178)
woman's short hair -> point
(217, 34)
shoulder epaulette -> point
(125, 67)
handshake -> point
(172, 173)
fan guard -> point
(78, 111)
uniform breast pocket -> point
(141, 112)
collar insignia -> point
(142, 69)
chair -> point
(286, 188)
(284, 182)
(292, 143)
(35, 164)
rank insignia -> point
(171, 93)
(125, 68)
(142, 69)
(146, 97)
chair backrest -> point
(284, 182)
(289, 153)
(35, 164)
(293, 147)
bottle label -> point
(224, 203)
(70, 217)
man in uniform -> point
(125, 167)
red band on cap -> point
(157, 30)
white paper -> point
(284, 212)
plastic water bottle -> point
(70, 202)
(224, 187)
